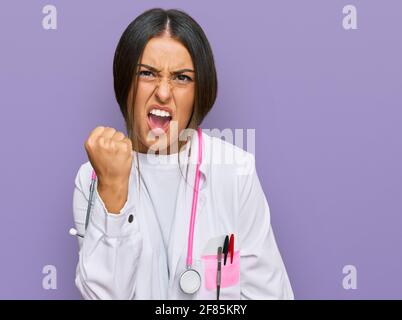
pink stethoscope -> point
(190, 279)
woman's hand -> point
(110, 154)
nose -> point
(163, 90)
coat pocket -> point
(230, 273)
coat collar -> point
(204, 168)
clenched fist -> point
(110, 154)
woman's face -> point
(165, 94)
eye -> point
(146, 74)
(183, 78)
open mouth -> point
(159, 120)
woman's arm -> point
(109, 253)
(263, 274)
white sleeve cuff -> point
(111, 224)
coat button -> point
(130, 218)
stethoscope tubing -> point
(189, 260)
(91, 195)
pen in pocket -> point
(218, 274)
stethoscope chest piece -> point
(190, 281)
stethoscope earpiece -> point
(74, 232)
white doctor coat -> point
(123, 257)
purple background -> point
(325, 103)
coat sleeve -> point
(263, 274)
(110, 251)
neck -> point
(171, 149)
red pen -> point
(231, 247)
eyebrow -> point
(156, 70)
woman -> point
(164, 203)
